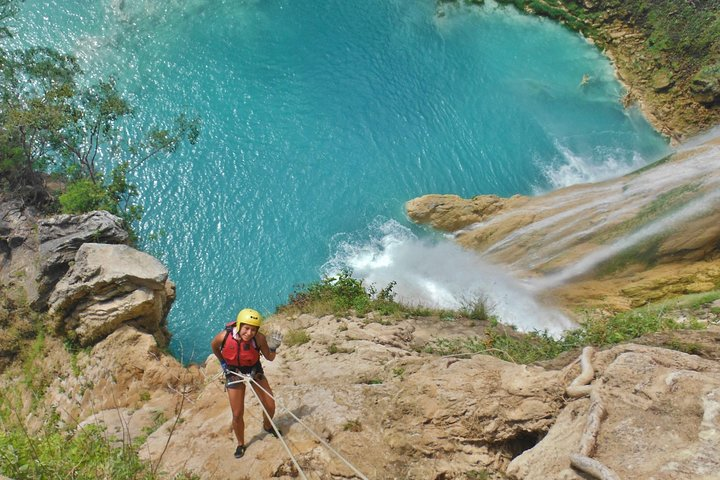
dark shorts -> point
(256, 371)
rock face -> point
(651, 430)
(363, 385)
(18, 248)
(109, 285)
(705, 85)
(60, 238)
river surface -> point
(321, 118)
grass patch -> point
(685, 347)
(341, 294)
(477, 475)
(344, 295)
(352, 426)
(296, 337)
(505, 343)
(18, 326)
(333, 349)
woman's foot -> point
(239, 451)
(271, 431)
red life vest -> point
(239, 353)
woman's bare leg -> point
(237, 405)
(266, 399)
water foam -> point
(699, 206)
(440, 274)
(569, 168)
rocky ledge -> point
(365, 387)
(362, 385)
(616, 244)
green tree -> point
(49, 123)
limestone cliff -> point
(646, 236)
(365, 387)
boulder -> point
(662, 80)
(110, 285)
(60, 238)
(451, 212)
(705, 85)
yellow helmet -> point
(248, 316)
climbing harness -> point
(248, 379)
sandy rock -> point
(125, 370)
(110, 285)
(451, 212)
(652, 430)
(422, 416)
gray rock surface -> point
(109, 285)
(60, 238)
(18, 248)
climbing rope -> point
(248, 379)
(318, 437)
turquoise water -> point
(321, 118)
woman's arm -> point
(264, 349)
(216, 345)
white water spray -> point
(441, 274)
(705, 203)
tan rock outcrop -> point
(109, 285)
(393, 412)
(663, 419)
(620, 243)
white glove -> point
(275, 340)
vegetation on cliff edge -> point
(668, 51)
(51, 122)
(344, 295)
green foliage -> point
(333, 349)
(685, 347)
(684, 36)
(477, 475)
(84, 195)
(48, 123)
(343, 295)
(59, 452)
(17, 327)
(505, 343)
(352, 426)
(296, 337)
(476, 309)
(338, 295)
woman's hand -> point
(275, 340)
